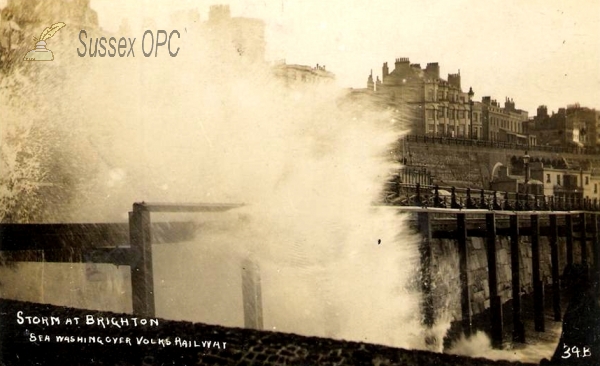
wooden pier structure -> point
(461, 218)
(457, 217)
(127, 244)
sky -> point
(536, 52)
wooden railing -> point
(116, 243)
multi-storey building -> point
(430, 105)
(545, 178)
(571, 182)
(422, 101)
(504, 123)
(244, 37)
(571, 126)
(477, 120)
(593, 191)
(560, 182)
(294, 74)
(588, 121)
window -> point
(441, 113)
(430, 114)
(595, 188)
(587, 180)
(558, 179)
(547, 178)
(462, 114)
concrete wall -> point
(451, 163)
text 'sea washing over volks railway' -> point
(126, 46)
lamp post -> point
(471, 93)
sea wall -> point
(474, 165)
(446, 274)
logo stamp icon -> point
(40, 52)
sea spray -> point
(219, 129)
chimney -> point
(542, 111)
(454, 80)
(370, 84)
(401, 62)
(385, 71)
(432, 70)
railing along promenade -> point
(434, 196)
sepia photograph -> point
(287, 182)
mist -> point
(84, 138)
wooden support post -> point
(569, 238)
(538, 287)
(142, 279)
(515, 266)
(495, 300)
(555, 268)
(583, 238)
(465, 294)
(252, 296)
(426, 278)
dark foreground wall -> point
(233, 346)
